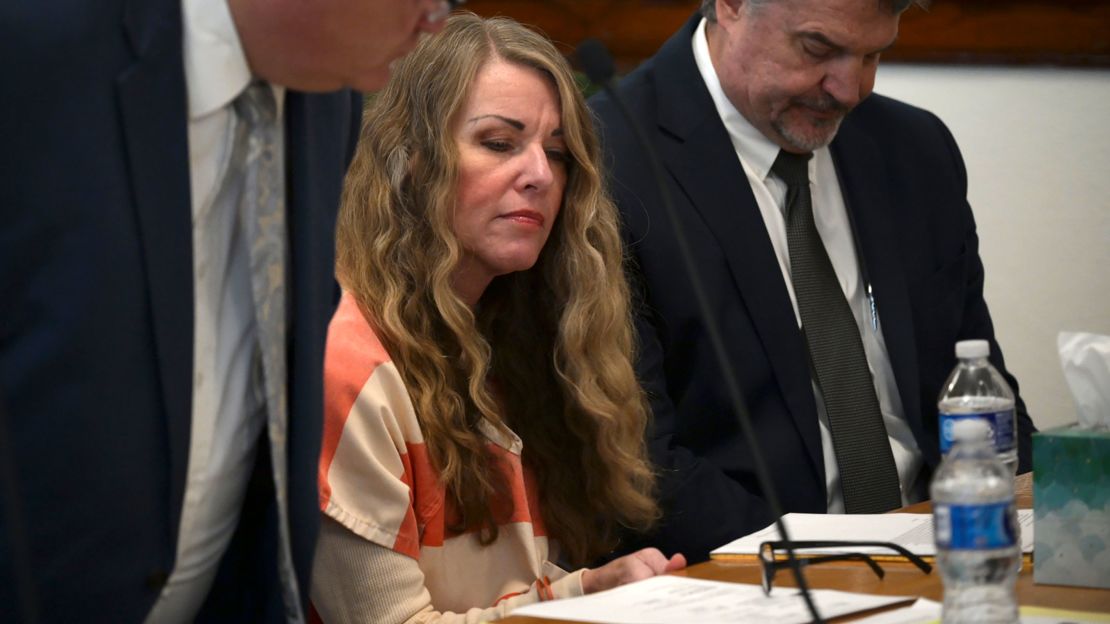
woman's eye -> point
(497, 145)
(558, 155)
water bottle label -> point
(1002, 429)
(973, 527)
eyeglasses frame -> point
(770, 565)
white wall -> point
(1037, 146)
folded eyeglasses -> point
(770, 563)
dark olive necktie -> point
(868, 475)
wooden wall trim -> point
(1061, 32)
(1064, 32)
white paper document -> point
(681, 600)
(913, 531)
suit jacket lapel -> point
(863, 180)
(695, 149)
(153, 110)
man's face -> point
(362, 38)
(794, 68)
(323, 45)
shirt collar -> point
(755, 150)
(216, 69)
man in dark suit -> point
(167, 206)
(832, 233)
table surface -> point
(902, 579)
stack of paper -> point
(912, 531)
(681, 600)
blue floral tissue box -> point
(1071, 507)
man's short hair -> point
(709, 7)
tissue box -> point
(1071, 507)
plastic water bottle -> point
(975, 390)
(975, 523)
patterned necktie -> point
(262, 214)
(868, 475)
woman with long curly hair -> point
(483, 418)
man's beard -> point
(824, 130)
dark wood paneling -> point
(1065, 32)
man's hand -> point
(638, 566)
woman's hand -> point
(638, 566)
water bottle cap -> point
(970, 429)
(966, 349)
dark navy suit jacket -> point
(96, 311)
(903, 181)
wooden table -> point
(902, 579)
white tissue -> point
(1086, 362)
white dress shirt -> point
(228, 410)
(757, 153)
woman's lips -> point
(525, 217)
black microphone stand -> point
(595, 60)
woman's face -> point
(512, 172)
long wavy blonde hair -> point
(556, 340)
